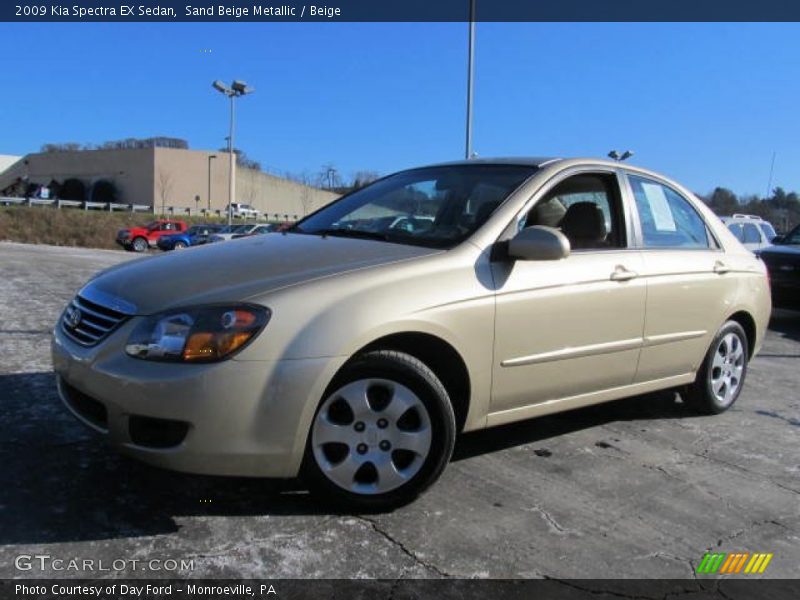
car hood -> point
(241, 269)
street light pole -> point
(470, 69)
(210, 158)
(231, 164)
(236, 89)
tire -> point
(139, 244)
(721, 376)
(383, 433)
(179, 246)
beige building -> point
(168, 177)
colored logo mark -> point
(724, 563)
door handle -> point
(720, 268)
(622, 274)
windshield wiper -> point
(353, 233)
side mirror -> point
(539, 243)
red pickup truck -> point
(140, 239)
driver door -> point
(571, 327)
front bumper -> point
(241, 418)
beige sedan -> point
(354, 354)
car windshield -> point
(793, 237)
(433, 206)
(195, 229)
(152, 225)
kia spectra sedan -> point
(353, 354)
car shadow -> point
(61, 483)
(786, 323)
(657, 405)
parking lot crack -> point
(740, 532)
(551, 522)
(373, 524)
(615, 594)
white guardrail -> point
(56, 203)
(112, 206)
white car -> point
(231, 231)
(242, 211)
(751, 230)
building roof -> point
(6, 160)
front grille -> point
(88, 323)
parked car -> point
(196, 235)
(257, 230)
(751, 230)
(231, 231)
(227, 232)
(242, 211)
(783, 263)
(354, 357)
(139, 239)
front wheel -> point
(180, 245)
(139, 244)
(721, 376)
(383, 433)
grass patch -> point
(72, 227)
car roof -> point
(526, 161)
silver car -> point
(355, 354)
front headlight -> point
(198, 334)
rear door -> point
(687, 279)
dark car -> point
(196, 235)
(783, 262)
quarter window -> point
(668, 220)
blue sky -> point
(705, 103)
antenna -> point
(771, 171)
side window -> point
(751, 235)
(586, 208)
(668, 219)
(738, 230)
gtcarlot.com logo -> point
(46, 562)
(723, 563)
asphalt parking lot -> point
(636, 488)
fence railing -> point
(85, 205)
(117, 206)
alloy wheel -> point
(727, 368)
(371, 436)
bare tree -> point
(165, 184)
(250, 180)
(363, 178)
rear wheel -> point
(139, 244)
(721, 377)
(382, 434)
(180, 245)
